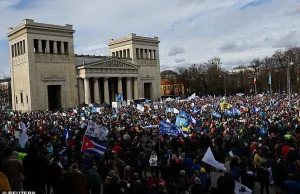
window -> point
(24, 47)
(66, 45)
(21, 96)
(27, 99)
(51, 44)
(16, 99)
(43, 46)
(35, 45)
(58, 47)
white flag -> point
(23, 127)
(241, 189)
(140, 108)
(210, 159)
(23, 139)
(175, 111)
(192, 97)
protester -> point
(158, 149)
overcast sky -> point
(190, 31)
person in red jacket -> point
(285, 151)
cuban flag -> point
(90, 146)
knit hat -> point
(202, 170)
(4, 184)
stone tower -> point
(142, 51)
(43, 72)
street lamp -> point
(224, 77)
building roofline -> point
(134, 37)
(29, 23)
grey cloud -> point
(293, 11)
(232, 64)
(176, 50)
(179, 60)
(290, 39)
(165, 67)
(187, 2)
(231, 46)
(228, 46)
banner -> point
(241, 189)
(119, 97)
(96, 131)
(225, 106)
(210, 159)
(167, 128)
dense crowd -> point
(258, 136)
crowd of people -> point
(257, 137)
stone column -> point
(14, 50)
(154, 54)
(47, 46)
(87, 91)
(62, 48)
(40, 47)
(124, 54)
(135, 88)
(81, 90)
(96, 91)
(106, 90)
(128, 88)
(18, 49)
(55, 47)
(145, 53)
(120, 89)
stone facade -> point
(34, 66)
(144, 52)
(47, 75)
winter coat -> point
(248, 180)
(153, 160)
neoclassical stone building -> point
(46, 74)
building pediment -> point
(111, 63)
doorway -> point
(54, 97)
(147, 90)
